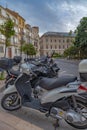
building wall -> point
(4, 14)
(35, 39)
(48, 44)
(24, 33)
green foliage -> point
(56, 55)
(71, 52)
(7, 29)
(81, 37)
(70, 32)
(2, 76)
(29, 49)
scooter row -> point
(62, 97)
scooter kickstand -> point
(56, 124)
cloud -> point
(68, 13)
(50, 15)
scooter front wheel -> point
(11, 101)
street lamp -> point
(21, 42)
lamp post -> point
(21, 42)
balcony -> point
(2, 40)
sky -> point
(49, 15)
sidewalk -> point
(10, 122)
(1, 85)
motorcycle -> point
(6, 64)
(46, 70)
(58, 98)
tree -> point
(56, 55)
(71, 52)
(70, 32)
(7, 29)
(29, 49)
(81, 37)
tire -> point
(80, 125)
(11, 102)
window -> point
(35, 44)
(14, 20)
(59, 41)
(59, 47)
(63, 41)
(46, 40)
(1, 49)
(7, 15)
(46, 46)
(51, 40)
(41, 46)
(15, 51)
(55, 40)
(67, 40)
(51, 46)
(63, 46)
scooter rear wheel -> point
(11, 102)
(83, 111)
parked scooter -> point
(58, 98)
(45, 69)
(7, 65)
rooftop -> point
(66, 34)
(14, 13)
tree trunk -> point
(5, 51)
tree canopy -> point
(79, 46)
(29, 49)
(7, 29)
(71, 52)
(81, 37)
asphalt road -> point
(38, 119)
(68, 67)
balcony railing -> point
(2, 40)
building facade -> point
(11, 50)
(24, 33)
(55, 41)
(20, 32)
(27, 32)
(35, 39)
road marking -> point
(65, 73)
(62, 72)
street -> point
(68, 67)
(34, 118)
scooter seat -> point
(15, 72)
(51, 83)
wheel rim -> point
(11, 101)
(82, 110)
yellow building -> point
(11, 50)
(35, 39)
(24, 33)
(21, 24)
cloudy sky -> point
(50, 15)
